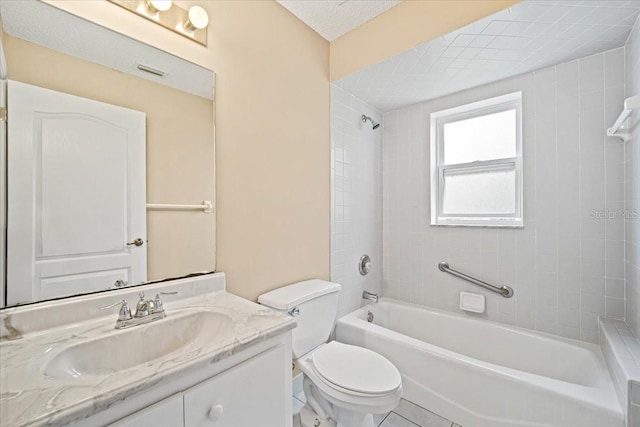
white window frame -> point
(439, 169)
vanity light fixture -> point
(197, 18)
(156, 6)
(191, 24)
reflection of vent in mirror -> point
(150, 70)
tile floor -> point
(406, 414)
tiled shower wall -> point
(356, 201)
(567, 264)
(632, 187)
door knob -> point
(136, 242)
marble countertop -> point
(28, 396)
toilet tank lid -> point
(292, 295)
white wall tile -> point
(566, 265)
(631, 151)
(356, 198)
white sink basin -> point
(139, 345)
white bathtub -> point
(484, 374)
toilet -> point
(344, 384)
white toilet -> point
(344, 384)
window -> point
(476, 164)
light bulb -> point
(159, 5)
(198, 18)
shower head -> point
(374, 125)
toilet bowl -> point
(344, 384)
(350, 383)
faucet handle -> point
(142, 307)
(125, 312)
(158, 302)
(123, 302)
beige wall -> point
(402, 27)
(180, 149)
(272, 146)
(272, 135)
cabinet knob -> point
(215, 412)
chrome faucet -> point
(146, 311)
(145, 308)
(371, 296)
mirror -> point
(109, 159)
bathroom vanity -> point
(215, 359)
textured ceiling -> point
(50, 27)
(333, 18)
(526, 37)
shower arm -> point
(374, 125)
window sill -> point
(506, 224)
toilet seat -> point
(342, 398)
(355, 370)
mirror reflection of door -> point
(76, 194)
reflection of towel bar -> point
(206, 207)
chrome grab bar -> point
(505, 291)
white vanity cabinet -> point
(167, 412)
(253, 392)
(247, 395)
(215, 360)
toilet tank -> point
(316, 302)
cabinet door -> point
(166, 413)
(250, 394)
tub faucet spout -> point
(371, 296)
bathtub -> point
(480, 373)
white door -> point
(76, 194)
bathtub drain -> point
(369, 317)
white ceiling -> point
(333, 18)
(530, 35)
(47, 26)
